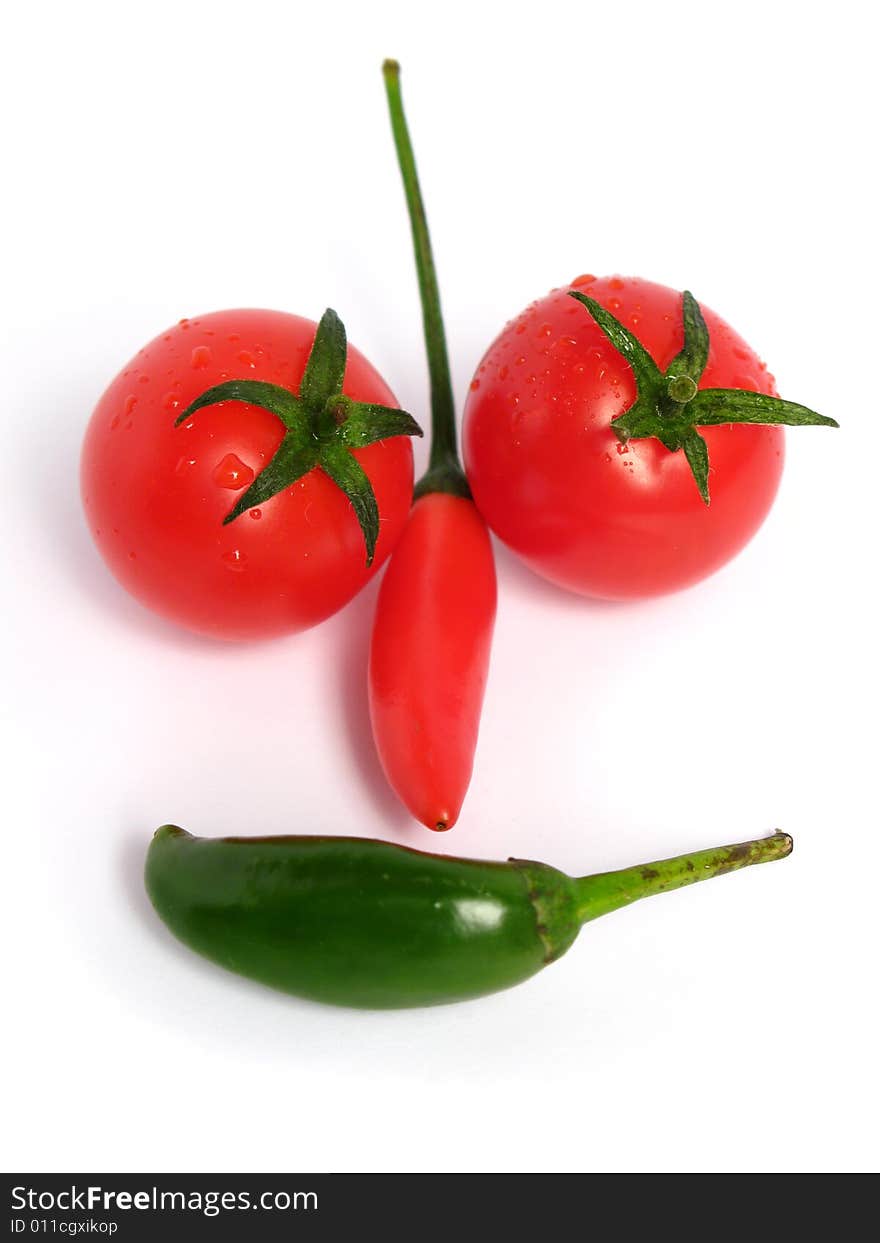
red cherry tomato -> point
(429, 658)
(602, 518)
(156, 495)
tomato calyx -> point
(322, 427)
(671, 406)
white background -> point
(172, 158)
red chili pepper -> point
(436, 609)
(430, 655)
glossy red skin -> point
(155, 495)
(554, 483)
(429, 657)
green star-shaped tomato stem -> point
(322, 427)
(670, 405)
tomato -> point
(156, 495)
(602, 516)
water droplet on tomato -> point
(256, 514)
(545, 330)
(201, 356)
(231, 472)
(586, 279)
(741, 353)
(170, 401)
(623, 448)
(115, 422)
(233, 338)
(129, 404)
(519, 360)
(475, 384)
(502, 373)
(615, 304)
(183, 463)
(234, 560)
(246, 357)
(132, 556)
(183, 323)
(143, 379)
(616, 283)
(520, 328)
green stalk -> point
(444, 472)
(607, 891)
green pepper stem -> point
(597, 895)
(444, 472)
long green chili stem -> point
(444, 468)
(597, 895)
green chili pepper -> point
(365, 923)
